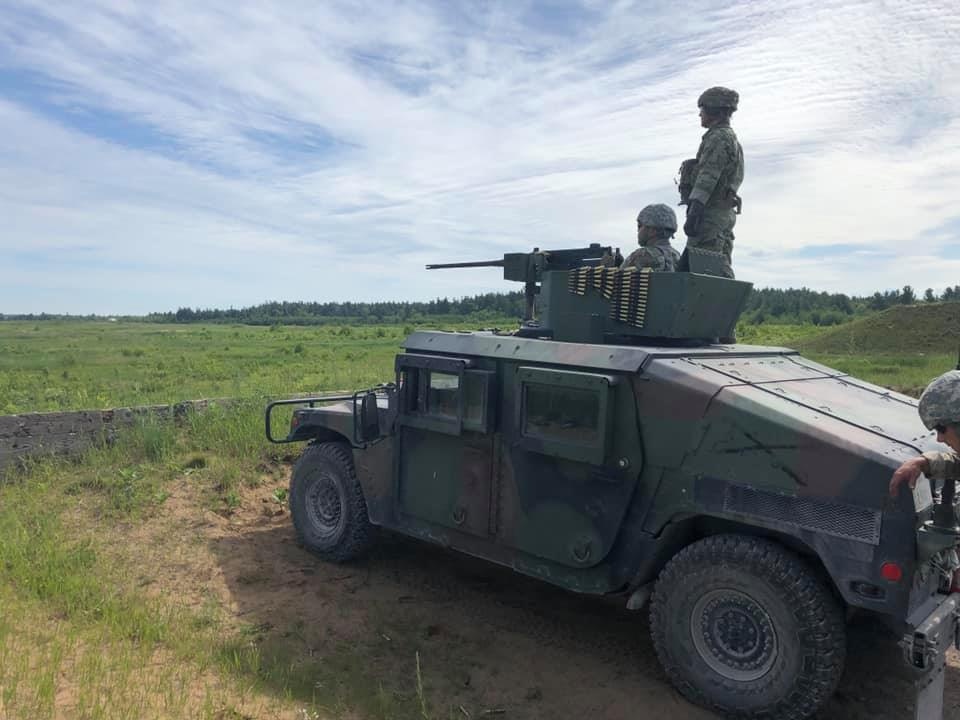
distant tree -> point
(929, 296)
(907, 296)
(877, 301)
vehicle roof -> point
(615, 358)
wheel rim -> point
(734, 635)
(325, 506)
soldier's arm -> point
(942, 465)
(714, 159)
(935, 465)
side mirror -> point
(369, 417)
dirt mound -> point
(933, 328)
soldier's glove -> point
(695, 210)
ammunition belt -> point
(626, 289)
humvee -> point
(614, 447)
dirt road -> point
(488, 639)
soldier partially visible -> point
(939, 410)
(656, 224)
(709, 182)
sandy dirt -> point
(488, 639)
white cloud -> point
(250, 152)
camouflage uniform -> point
(658, 255)
(940, 405)
(717, 177)
(943, 465)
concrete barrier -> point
(67, 433)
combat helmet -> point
(719, 97)
(940, 402)
(658, 216)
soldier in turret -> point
(939, 410)
(709, 182)
(656, 224)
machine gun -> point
(528, 268)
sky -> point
(222, 154)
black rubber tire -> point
(335, 527)
(771, 598)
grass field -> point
(80, 365)
(73, 365)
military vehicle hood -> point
(795, 426)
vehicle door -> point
(445, 444)
(572, 455)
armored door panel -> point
(445, 479)
(572, 455)
(445, 451)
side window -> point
(478, 400)
(443, 395)
(410, 390)
(561, 413)
(565, 414)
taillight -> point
(891, 572)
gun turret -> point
(528, 268)
(585, 296)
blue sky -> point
(216, 154)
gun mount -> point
(586, 297)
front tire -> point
(745, 627)
(327, 504)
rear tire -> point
(327, 504)
(745, 627)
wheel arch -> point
(318, 434)
(683, 531)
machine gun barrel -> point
(528, 268)
(475, 263)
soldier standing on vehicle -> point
(939, 410)
(709, 182)
(656, 224)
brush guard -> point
(365, 411)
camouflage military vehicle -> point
(615, 448)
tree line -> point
(487, 305)
(764, 305)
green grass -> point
(910, 329)
(56, 365)
(776, 335)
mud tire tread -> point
(358, 534)
(817, 613)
